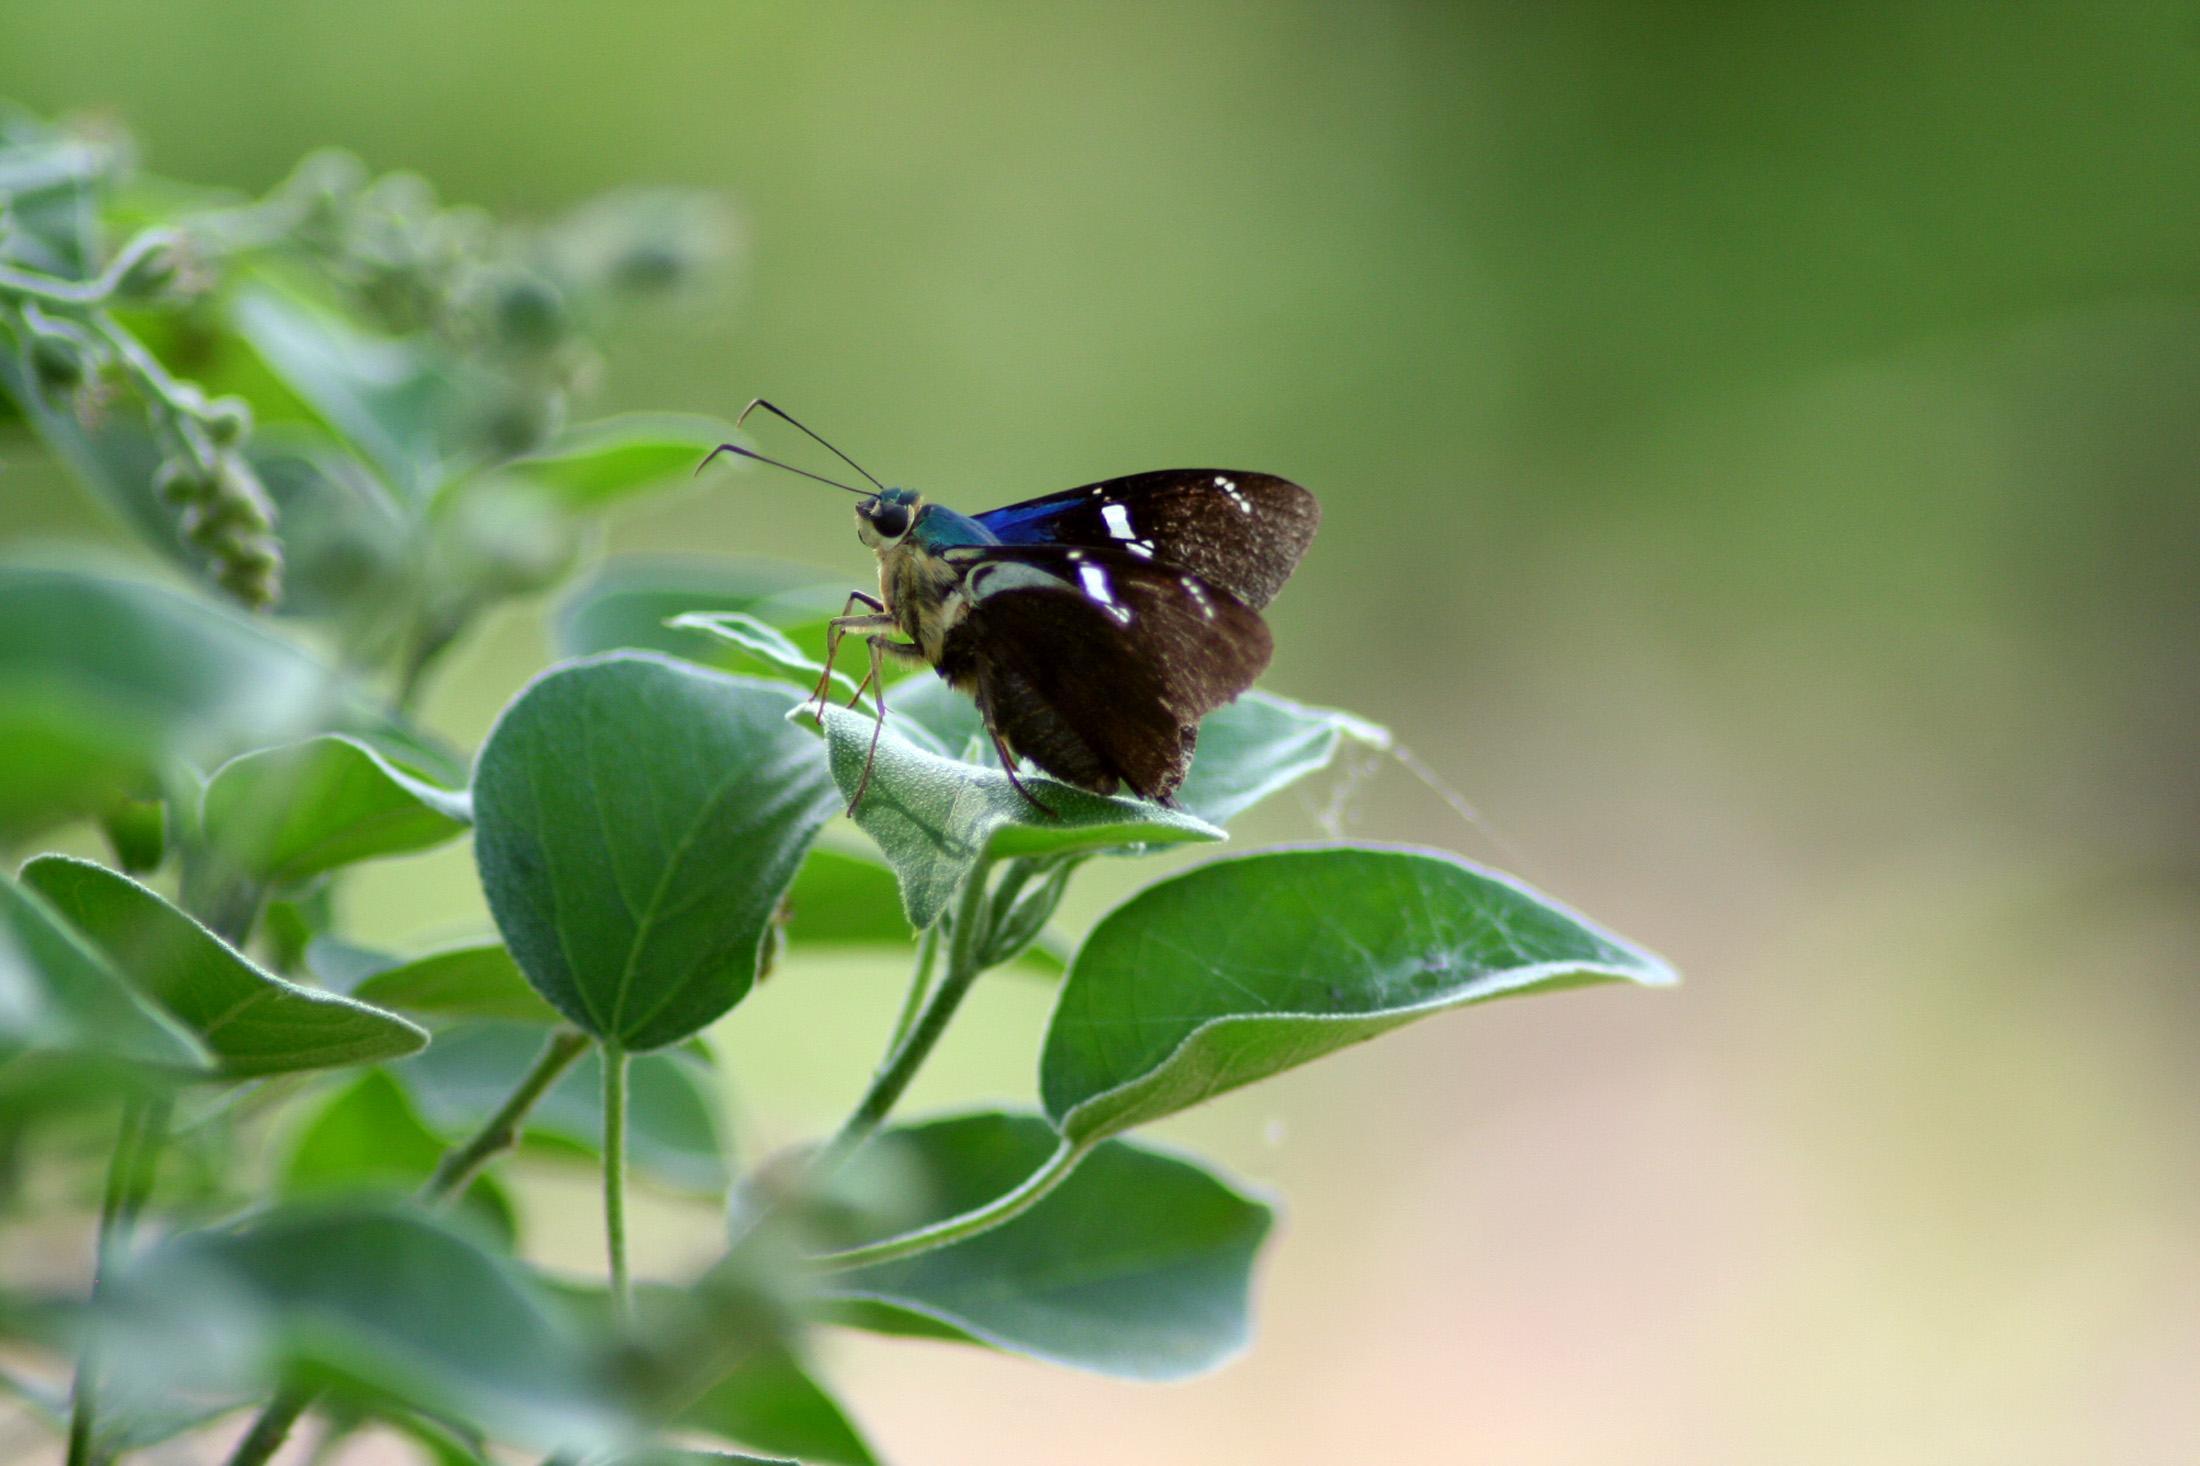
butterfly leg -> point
(1008, 767)
(840, 626)
(880, 645)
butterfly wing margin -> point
(1097, 665)
(1243, 532)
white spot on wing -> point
(1230, 489)
(1117, 517)
(1094, 579)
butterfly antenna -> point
(736, 448)
(783, 417)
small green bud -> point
(522, 423)
(228, 421)
(256, 584)
(528, 314)
(239, 491)
(181, 482)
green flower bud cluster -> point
(224, 512)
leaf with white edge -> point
(59, 996)
(252, 1021)
(674, 1133)
(597, 463)
(478, 981)
(282, 815)
(763, 642)
(1260, 744)
(934, 818)
(372, 1303)
(772, 1400)
(637, 820)
(1235, 970)
(1138, 1265)
(625, 605)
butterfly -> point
(1094, 627)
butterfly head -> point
(884, 518)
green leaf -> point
(366, 1137)
(626, 604)
(934, 818)
(394, 400)
(763, 642)
(346, 539)
(1239, 969)
(105, 683)
(673, 1129)
(114, 455)
(595, 464)
(772, 1401)
(284, 814)
(637, 820)
(253, 1021)
(1262, 743)
(60, 996)
(480, 981)
(376, 1304)
(1139, 1265)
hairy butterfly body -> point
(1093, 627)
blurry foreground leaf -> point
(592, 465)
(376, 1305)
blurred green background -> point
(1758, 445)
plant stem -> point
(964, 964)
(459, 1165)
(920, 983)
(121, 1164)
(614, 1176)
(501, 1131)
(1001, 1209)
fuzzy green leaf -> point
(1139, 1265)
(1239, 969)
(934, 818)
(63, 1002)
(1260, 744)
(252, 1021)
(282, 815)
(637, 821)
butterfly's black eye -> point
(891, 521)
